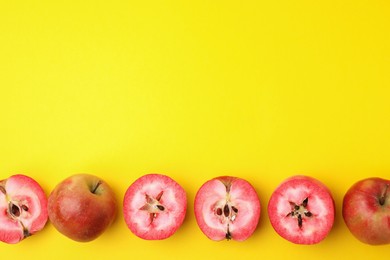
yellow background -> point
(262, 90)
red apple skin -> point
(366, 210)
(82, 207)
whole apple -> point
(366, 211)
(82, 207)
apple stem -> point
(97, 185)
(382, 199)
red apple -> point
(366, 211)
(227, 208)
(23, 208)
(82, 207)
(154, 207)
(301, 210)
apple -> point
(154, 206)
(301, 210)
(366, 210)
(23, 208)
(82, 207)
(227, 207)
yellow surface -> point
(260, 90)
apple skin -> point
(82, 207)
(366, 210)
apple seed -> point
(226, 210)
(13, 209)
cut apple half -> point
(154, 207)
(301, 210)
(227, 208)
(23, 208)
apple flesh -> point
(82, 207)
(366, 210)
(23, 208)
